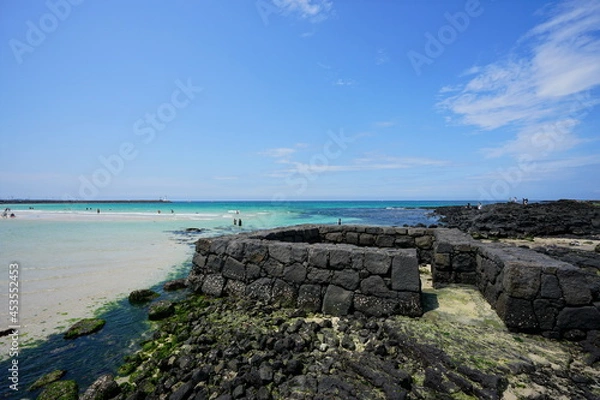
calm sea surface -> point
(85, 258)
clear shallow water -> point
(64, 248)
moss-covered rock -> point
(84, 327)
(160, 310)
(60, 390)
(142, 296)
(47, 379)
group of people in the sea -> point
(7, 213)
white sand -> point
(70, 265)
(570, 243)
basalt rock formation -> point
(515, 220)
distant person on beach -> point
(240, 222)
(339, 221)
(479, 206)
(468, 206)
(98, 211)
(235, 221)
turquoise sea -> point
(81, 259)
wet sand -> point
(72, 264)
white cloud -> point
(384, 124)
(542, 91)
(382, 57)
(312, 10)
(280, 153)
(539, 141)
(344, 82)
(536, 171)
(370, 162)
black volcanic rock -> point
(515, 220)
(142, 296)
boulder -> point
(518, 314)
(103, 388)
(173, 285)
(234, 269)
(377, 262)
(161, 310)
(521, 280)
(47, 379)
(142, 296)
(260, 289)
(283, 293)
(348, 279)
(375, 306)
(309, 298)
(60, 390)
(295, 273)
(405, 272)
(579, 318)
(213, 285)
(340, 258)
(84, 327)
(375, 285)
(337, 301)
(575, 288)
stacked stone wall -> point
(314, 269)
(531, 292)
(341, 269)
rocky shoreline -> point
(233, 348)
(502, 220)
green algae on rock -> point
(142, 296)
(84, 327)
(160, 310)
(47, 379)
(60, 390)
(459, 349)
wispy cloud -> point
(308, 34)
(369, 162)
(226, 178)
(281, 154)
(382, 56)
(541, 91)
(311, 10)
(544, 170)
(344, 82)
(384, 124)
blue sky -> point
(300, 99)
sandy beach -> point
(71, 264)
